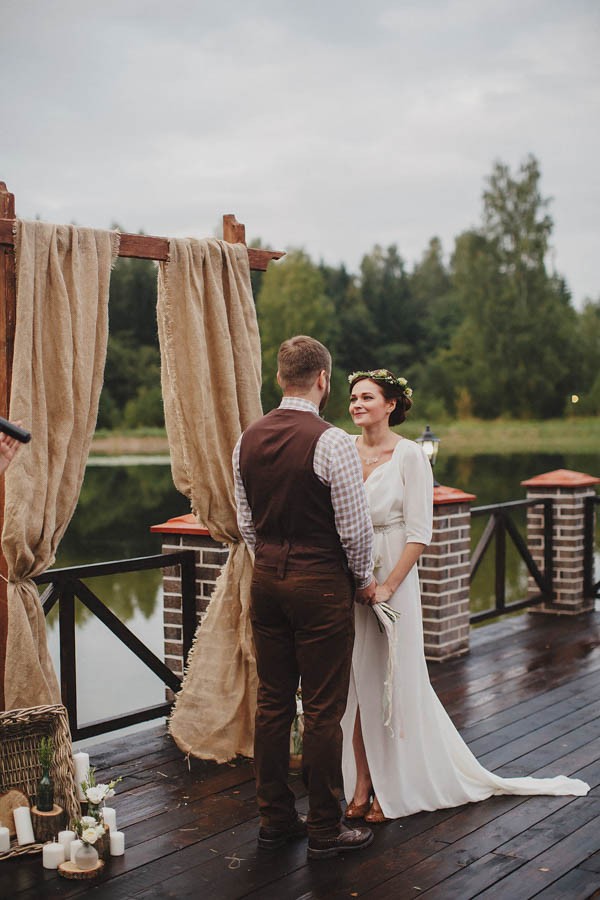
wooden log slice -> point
(70, 870)
(46, 825)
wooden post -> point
(233, 231)
(8, 305)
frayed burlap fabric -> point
(63, 276)
(210, 352)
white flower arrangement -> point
(95, 794)
(384, 611)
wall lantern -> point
(429, 443)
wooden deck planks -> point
(528, 698)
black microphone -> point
(14, 431)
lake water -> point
(122, 498)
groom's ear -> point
(322, 380)
(278, 376)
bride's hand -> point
(382, 593)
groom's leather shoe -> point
(272, 838)
(347, 839)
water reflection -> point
(116, 508)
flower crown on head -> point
(385, 376)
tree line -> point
(491, 332)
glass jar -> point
(86, 857)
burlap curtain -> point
(210, 353)
(63, 275)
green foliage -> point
(46, 752)
(292, 300)
(586, 376)
(514, 351)
(489, 333)
(131, 395)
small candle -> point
(23, 825)
(66, 838)
(75, 845)
(52, 855)
(117, 843)
(82, 767)
(109, 817)
(4, 840)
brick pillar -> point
(444, 576)
(184, 533)
(568, 491)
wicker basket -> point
(21, 731)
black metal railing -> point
(591, 588)
(500, 526)
(65, 585)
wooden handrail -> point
(66, 585)
(499, 525)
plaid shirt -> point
(337, 465)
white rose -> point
(88, 821)
(100, 829)
(95, 794)
(89, 836)
(110, 793)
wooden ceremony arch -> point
(131, 245)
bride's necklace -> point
(370, 460)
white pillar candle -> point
(23, 825)
(52, 855)
(117, 843)
(4, 839)
(75, 845)
(66, 838)
(82, 767)
(109, 817)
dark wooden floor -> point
(527, 700)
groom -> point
(302, 510)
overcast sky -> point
(322, 124)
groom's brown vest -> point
(291, 508)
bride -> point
(410, 758)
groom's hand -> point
(366, 595)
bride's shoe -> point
(375, 814)
(357, 810)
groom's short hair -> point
(299, 361)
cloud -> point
(328, 125)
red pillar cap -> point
(443, 494)
(561, 478)
(181, 525)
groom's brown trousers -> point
(303, 625)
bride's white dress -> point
(419, 762)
